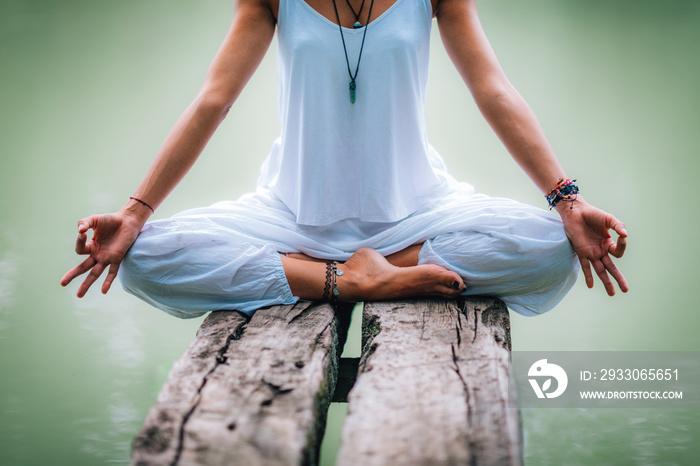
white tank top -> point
(369, 160)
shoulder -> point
(258, 9)
(451, 7)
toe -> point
(456, 282)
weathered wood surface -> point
(433, 386)
(248, 391)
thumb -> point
(618, 249)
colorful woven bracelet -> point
(565, 190)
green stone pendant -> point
(357, 25)
(352, 91)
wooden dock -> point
(432, 388)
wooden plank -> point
(433, 386)
(248, 391)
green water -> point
(88, 90)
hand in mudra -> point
(588, 229)
(113, 235)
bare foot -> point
(406, 257)
(367, 275)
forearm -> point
(178, 153)
(517, 127)
(240, 54)
(504, 109)
(515, 124)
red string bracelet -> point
(139, 200)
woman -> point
(352, 179)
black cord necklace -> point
(357, 24)
(353, 86)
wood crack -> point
(472, 446)
(455, 363)
(276, 388)
(431, 386)
(305, 310)
(220, 359)
(259, 400)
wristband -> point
(564, 190)
(139, 200)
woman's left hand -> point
(588, 229)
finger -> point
(79, 269)
(81, 245)
(111, 275)
(619, 228)
(614, 223)
(616, 273)
(586, 268)
(618, 249)
(457, 283)
(90, 279)
(603, 275)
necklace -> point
(353, 86)
(357, 24)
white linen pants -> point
(227, 256)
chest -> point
(396, 42)
(352, 11)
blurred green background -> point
(89, 89)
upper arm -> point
(245, 45)
(469, 49)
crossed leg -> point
(189, 265)
(367, 275)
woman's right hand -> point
(113, 235)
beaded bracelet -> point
(564, 190)
(336, 273)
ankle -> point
(350, 283)
(361, 285)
